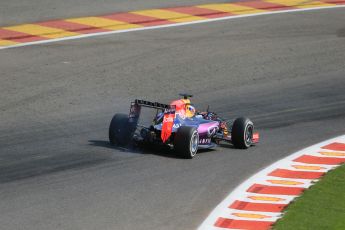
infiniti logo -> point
(212, 130)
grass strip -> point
(322, 206)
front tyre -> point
(119, 131)
(242, 133)
(186, 142)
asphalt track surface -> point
(57, 170)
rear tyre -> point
(242, 133)
(120, 132)
(186, 142)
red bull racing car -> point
(179, 126)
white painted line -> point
(223, 210)
(216, 228)
(169, 25)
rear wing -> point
(135, 109)
(149, 104)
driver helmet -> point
(190, 111)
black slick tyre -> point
(119, 131)
(242, 133)
(186, 142)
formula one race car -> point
(179, 126)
